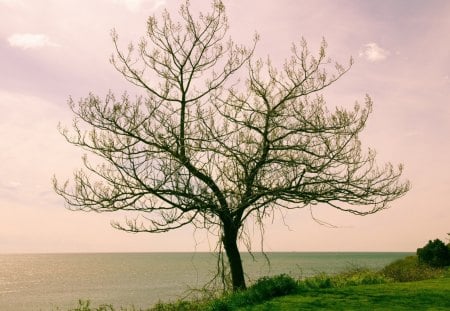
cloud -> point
(373, 52)
(12, 3)
(14, 184)
(157, 4)
(135, 5)
(30, 40)
(32, 148)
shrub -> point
(409, 269)
(435, 254)
(271, 287)
(262, 290)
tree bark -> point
(230, 233)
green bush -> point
(435, 254)
(264, 289)
(409, 269)
(271, 287)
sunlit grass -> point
(422, 295)
(409, 269)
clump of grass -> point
(262, 290)
(319, 281)
(410, 269)
(350, 277)
(85, 305)
(357, 275)
(181, 305)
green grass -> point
(422, 295)
(410, 269)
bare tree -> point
(205, 149)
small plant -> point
(85, 305)
(435, 254)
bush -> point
(435, 254)
(271, 287)
(409, 269)
(264, 289)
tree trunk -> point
(230, 233)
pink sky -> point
(53, 49)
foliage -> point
(221, 138)
(351, 277)
(181, 305)
(270, 287)
(360, 276)
(435, 254)
(264, 289)
(409, 269)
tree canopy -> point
(205, 147)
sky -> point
(53, 49)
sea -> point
(58, 281)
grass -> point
(420, 295)
(409, 269)
(398, 286)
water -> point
(51, 281)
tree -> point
(203, 148)
(435, 254)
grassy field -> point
(422, 295)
